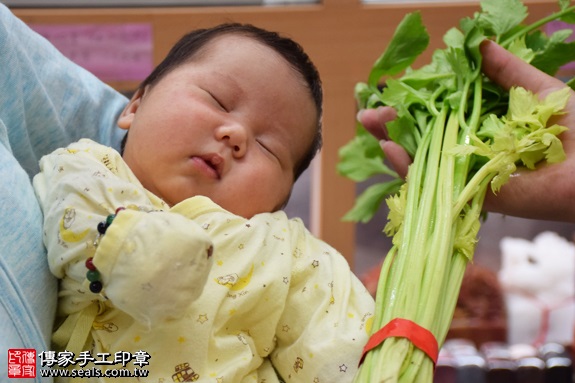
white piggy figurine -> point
(538, 280)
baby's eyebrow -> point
(231, 84)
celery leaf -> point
(368, 202)
(396, 204)
(403, 131)
(408, 42)
(556, 53)
(499, 17)
(362, 158)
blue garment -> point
(46, 102)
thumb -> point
(508, 70)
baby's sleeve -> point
(151, 263)
(327, 317)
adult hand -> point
(547, 193)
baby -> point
(179, 248)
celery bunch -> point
(465, 134)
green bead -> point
(93, 275)
(110, 219)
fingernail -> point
(359, 114)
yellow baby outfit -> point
(272, 302)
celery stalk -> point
(463, 139)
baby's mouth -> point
(213, 162)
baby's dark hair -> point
(192, 43)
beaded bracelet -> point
(93, 275)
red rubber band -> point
(421, 337)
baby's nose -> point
(235, 136)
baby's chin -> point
(232, 205)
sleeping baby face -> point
(231, 124)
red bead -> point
(90, 264)
(120, 209)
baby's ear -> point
(127, 115)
